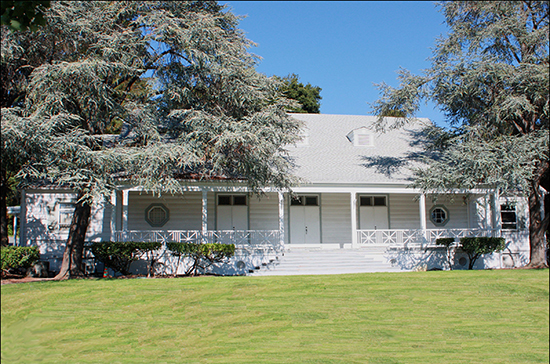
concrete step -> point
(299, 261)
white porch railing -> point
(417, 236)
(266, 240)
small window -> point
(508, 217)
(239, 200)
(363, 140)
(66, 212)
(439, 215)
(224, 200)
(372, 201)
(296, 201)
(311, 201)
(365, 201)
(304, 201)
(157, 215)
(235, 200)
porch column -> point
(113, 215)
(125, 194)
(281, 219)
(422, 209)
(497, 225)
(204, 221)
(353, 205)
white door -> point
(232, 212)
(305, 225)
(373, 213)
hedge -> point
(18, 257)
(120, 255)
(201, 255)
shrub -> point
(120, 255)
(447, 243)
(18, 257)
(475, 247)
(202, 255)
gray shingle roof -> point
(330, 157)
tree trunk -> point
(537, 224)
(71, 266)
(4, 240)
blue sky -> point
(344, 47)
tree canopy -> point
(175, 78)
(490, 77)
(308, 96)
(23, 15)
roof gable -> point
(345, 149)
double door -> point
(232, 212)
(305, 226)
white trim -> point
(113, 214)
(353, 204)
(281, 218)
(125, 211)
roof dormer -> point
(361, 137)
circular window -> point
(157, 215)
(439, 215)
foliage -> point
(23, 15)
(489, 75)
(477, 246)
(18, 257)
(308, 97)
(175, 78)
(120, 255)
(202, 255)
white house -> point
(354, 196)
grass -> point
(421, 317)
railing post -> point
(113, 215)
(281, 220)
(125, 199)
(204, 221)
(422, 209)
(354, 232)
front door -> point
(305, 226)
(232, 212)
(373, 213)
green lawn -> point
(421, 317)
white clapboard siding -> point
(264, 212)
(404, 212)
(335, 218)
(211, 210)
(478, 213)
(41, 211)
(185, 211)
(458, 212)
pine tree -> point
(172, 79)
(490, 76)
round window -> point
(157, 215)
(439, 215)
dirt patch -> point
(11, 280)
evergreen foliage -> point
(175, 78)
(202, 255)
(18, 257)
(477, 246)
(120, 255)
(490, 76)
(308, 97)
(23, 15)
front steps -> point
(309, 261)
